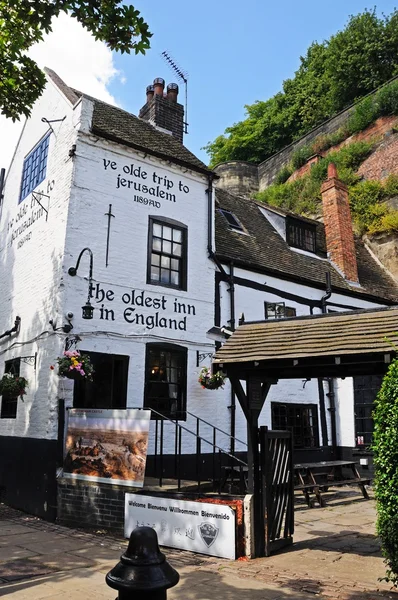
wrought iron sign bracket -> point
(49, 121)
(71, 342)
(30, 360)
(34, 196)
(200, 356)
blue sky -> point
(235, 53)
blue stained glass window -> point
(34, 168)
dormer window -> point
(300, 234)
(232, 220)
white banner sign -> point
(195, 526)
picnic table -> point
(317, 477)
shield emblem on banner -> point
(208, 533)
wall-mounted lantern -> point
(87, 309)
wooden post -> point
(252, 403)
(255, 404)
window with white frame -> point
(34, 168)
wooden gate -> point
(277, 488)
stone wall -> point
(238, 177)
(268, 170)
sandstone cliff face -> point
(385, 247)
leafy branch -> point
(23, 23)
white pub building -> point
(160, 257)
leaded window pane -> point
(34, 168)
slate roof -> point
(263, 248)
(338, 334)
(115, 124)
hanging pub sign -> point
(107, 446)
(196, 526)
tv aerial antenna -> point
(182, 77)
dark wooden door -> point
(277, 487)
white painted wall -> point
(37, 287)
(31, 254)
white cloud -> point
(78, 59)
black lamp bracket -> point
(200, 356)
(87, 308)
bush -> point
(387, 99)
(385, 449)
(364, 113)
(391, 185)
(300, 156)
(283, 174)
(387, 223)
(365, 198)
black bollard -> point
(143, 572)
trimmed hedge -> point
(385, 449)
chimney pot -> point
(149, 93)
(332, 171)
(164, 111)
(172, 92)
(158, 86)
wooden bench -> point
(308, 475)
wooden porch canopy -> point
(331, 345)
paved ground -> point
(335, 556)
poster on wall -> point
(107, 446)
(196, 526)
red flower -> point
(52, 367)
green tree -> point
(23, 23)
(332, 75)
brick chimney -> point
(163, 110)
(338, 225)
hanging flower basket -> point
(74, 365)
(209, 381)
(13, 385)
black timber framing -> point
(237, 358)
(312, 367)
(252, 403)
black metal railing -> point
(213, 470)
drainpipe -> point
(232, 406)
(230, 279)
(2, 178)
(329, 380)
(328, 292)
